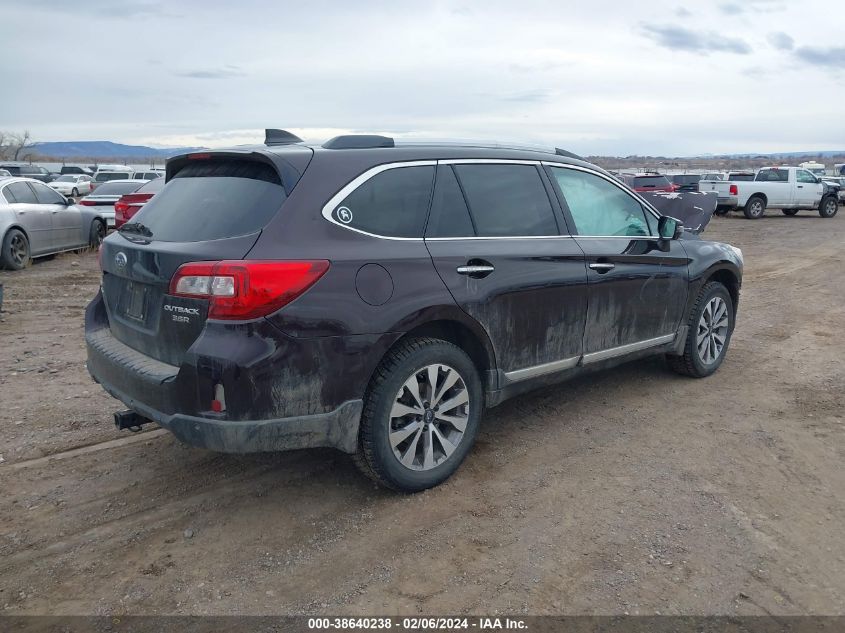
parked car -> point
(840, 182)
(130, 203)
(72, 185)
(103, 200)
(150, 174)
(787, 188)
(35, 221)
(75, 169)
(25, 170)
(648, 182)
(377, 298)
(686, 182)
(106, 175)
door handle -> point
(475, 270)
(799, 186)
(601, 267)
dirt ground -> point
(631, 491)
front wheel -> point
(97, 233)
(754, 208)
(421, 414)
(711, 323)
(828, 207)
(789, 211)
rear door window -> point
(212, 200)
(507, 200)
(598, 207)
(651, 181)
(772, 175)
(22, 192)
(449, 213)
(46, 195)
(393, 203)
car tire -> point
(419, 449)
(789, 211)
(701, 353)
(828, 207)
(755, 208)
(15, 254)
(74, 193)
(97, 233)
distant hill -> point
(104, 149)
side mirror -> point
(669, 228)
(69, 202)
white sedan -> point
(72, 185)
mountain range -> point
(104, 149)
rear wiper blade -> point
(136, 227)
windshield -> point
(214, 199)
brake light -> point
(733, 190)
(243, 289)
(201, 156)
(87, 203)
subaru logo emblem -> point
(120, 260)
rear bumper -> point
(176, 397)
(727, 201)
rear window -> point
(116, 188)
(112, 175)
(651, 181)
(211, 200)
(772, 175)
(686, 179)
(12, 169)
(154, 186)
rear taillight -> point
(87, 203)
(243, 289)
(127, 206)
(733, 190)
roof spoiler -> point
(358, 141)
(280, 137)
(563, 152)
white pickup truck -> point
(789, 189)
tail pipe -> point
(129, 420)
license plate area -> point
(134, 302)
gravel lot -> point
(632, 491)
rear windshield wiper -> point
(136, 227)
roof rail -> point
(563, 152)
(280, 137)
(358, 141)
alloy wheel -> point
(712, 330)
(429, 417)
(19, 250)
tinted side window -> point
(393, 203)
(46, 195)
(8, 195)
(507, 200)
(772, 175)
(13, 169)
(449, 212)
(22, 192)
(599, 207)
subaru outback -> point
(377, 297)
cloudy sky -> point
(601, 77)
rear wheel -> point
(754, 208)
(828, 207)
(15, 250)
(421, 414)
(97, 233)
(711, 323)
(789, 211)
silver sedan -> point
(36, 221)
